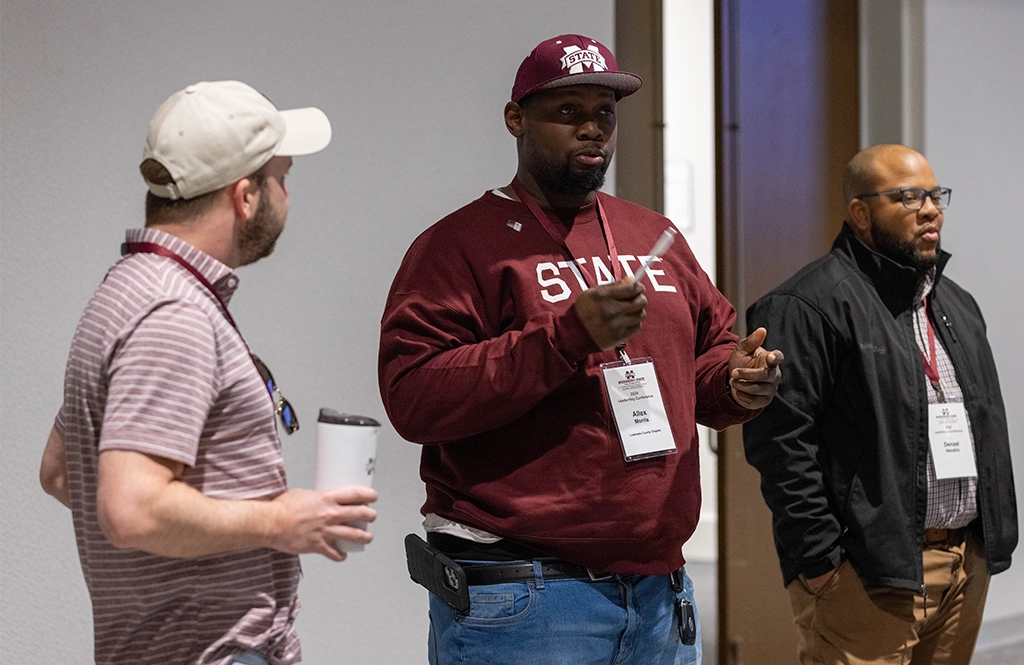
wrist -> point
(270, 523)
(729, 391)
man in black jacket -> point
(885, 457)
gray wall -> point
(974, 137)
(947, 77)
(414, 89)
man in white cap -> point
(166, 446)
(558, 474)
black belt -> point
(937, 536)
(500, 573)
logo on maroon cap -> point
(578, 60)
(571, 60)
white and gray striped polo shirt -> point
(155, 367)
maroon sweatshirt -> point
(484, 361)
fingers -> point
(313, 520)
(352, 513)
(346, 524)
(612, 313)
(767, 374)
(330, 545)
(331, 552)
(352, 494)
(756, 373)
(753, 389)
(752, 342)
(622, 297)
(751, 400)
(350, 533)
(624, 289)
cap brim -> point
(307, 130)
(623, 83)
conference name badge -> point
(950, 441)
(638, 409)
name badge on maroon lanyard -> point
(639, 411)
(631, 386)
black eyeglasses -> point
(914, 197)
(282, 406)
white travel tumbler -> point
(346, 454)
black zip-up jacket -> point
(843, 447)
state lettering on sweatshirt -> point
(559, 280)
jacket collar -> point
(895, 283)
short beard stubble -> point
(901, 251)
(259, 237)
(562, 178)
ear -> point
(244, 198)
(514, 117)
(859, 215)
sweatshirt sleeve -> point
(783, 442)
(443, 378)
(714, 344)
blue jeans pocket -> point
(499, 603)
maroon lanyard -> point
(153, 248)
(545, 222)
(931, 367)
(552, 231)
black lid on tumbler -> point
(338, 418)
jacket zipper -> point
(967, 392)
(920, 497)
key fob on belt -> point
(687, 622)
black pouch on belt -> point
(441, 576)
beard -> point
(259, 237)
(560, 175)
(902, 251)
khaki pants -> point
(848, 624)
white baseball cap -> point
(214, 133)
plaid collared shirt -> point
(952, 502)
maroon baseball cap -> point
(572, 60)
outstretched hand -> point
(754, 372)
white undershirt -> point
(433, 523)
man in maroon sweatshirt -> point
(557, 396)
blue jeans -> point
(626, 620)
(249, 658)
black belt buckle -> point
(687, 620)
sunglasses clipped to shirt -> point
(282, 407)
